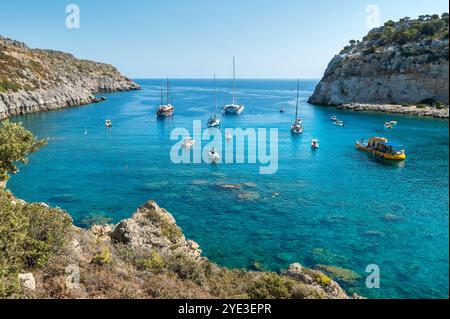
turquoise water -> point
(325, 207)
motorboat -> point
(339, 123)
(334, 118)
(188, 142)
(214, 156)
(380, 147)
(108, 123)
(315, 144)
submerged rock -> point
(248, 196)
(345, 275)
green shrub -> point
(154, 263)
(16, 143)
(102, 257)
(48, 229)
(421, 106)
(271, 286)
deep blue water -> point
(331, 206)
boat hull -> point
(392, 157)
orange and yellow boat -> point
(382, 148)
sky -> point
(196, 38)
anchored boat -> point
(382, 148)
(188, 142)
(214, 121)
(297, 127)
(165, 110)
(233, 108)
(315, 144)
(214, 156)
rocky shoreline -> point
(392, 69)
(147, 256)
(70, 95)
(35, 80)
(395, 109)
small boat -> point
(339, 123)
(214, 156)
(228, 137)
(393, 122)
(281, 110)
(188, 142)
(315, 144)
(388, 125)
(233, 108)
(297, 127)
(108, 123)
(382, 148)
(334, 118)
(165, 110)
(214, 121)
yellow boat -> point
(382, 148)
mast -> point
(234, 80)
(296, 108)
(215, 95)
(161, 94)
(168, 92)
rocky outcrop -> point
(398, 109)
(152, 227)
(33, 80)
(403, 63)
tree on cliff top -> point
(16, 143)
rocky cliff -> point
(402, 63)
(33, 80)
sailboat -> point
(297, 127)
(214, 121)
(165, 110)
(233, 108)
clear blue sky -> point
(194, 38)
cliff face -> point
(33, 80)
(403, 62)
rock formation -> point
(33, 80)
(402, 63)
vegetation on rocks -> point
(399, 63)
(16, 143)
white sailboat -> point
(165, 110)
(233, 108)
(297, 127)
(214, 121)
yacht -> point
(165, 110)
(297, 127)
(233, 108)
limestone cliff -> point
(33, 80)
(402, 63)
